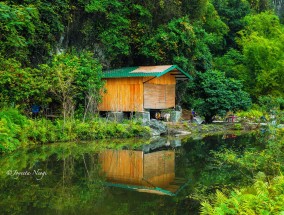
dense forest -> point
(48, 47)
(53, 54)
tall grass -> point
(17, 130)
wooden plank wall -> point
(127, 94)
(123, 94)
(123, 166)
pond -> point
(159, 176)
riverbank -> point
(193, 129)
(17, 130)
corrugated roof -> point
(143, 71)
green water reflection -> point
(74, 177)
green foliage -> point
(30, 29)
(16, 130)
(216, 29)
(114, 35)
(12, 124)
(195, 9)
(75, 80)
(232, 12)
(17, 29)
(44, 131)
(262, 47)
(262, 164)
(176, 43)
(267, 158)
(269, 103)
(100, 129)
(20, 86)
(251, 115)
(230, 63)
(215, 94)
(263, 197)
(261, 5)
(237, 126)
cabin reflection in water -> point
(145, 172)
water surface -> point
(161, 176)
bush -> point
(263, 197)
(12, 129)
(251, 115)
(269, 102)
(17, 130)
(42, 131)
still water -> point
(158, 176)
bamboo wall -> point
(128, 94)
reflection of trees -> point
(64, 188)
(198, 163)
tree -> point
(21, 86)
(212, 93)
(261, 5)
(32, 29)
(230, 63)
(17, 30)
(262, 43)
(216, 30)
(195, 9)
(75, 80)
(232, 12)
(179, 42)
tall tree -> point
(212, 93)
(232, 12)
(262, 46)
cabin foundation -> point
(144, 116)
(115, 116)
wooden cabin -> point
(136, 89)
(156, 169)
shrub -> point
(251, 115)
(42, 131)
(16, 130)
(263, 197)
(8, 142)
(269, 102)
(12, 129)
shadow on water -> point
(158, 176)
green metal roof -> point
(143, 71)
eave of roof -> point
(143, 71)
